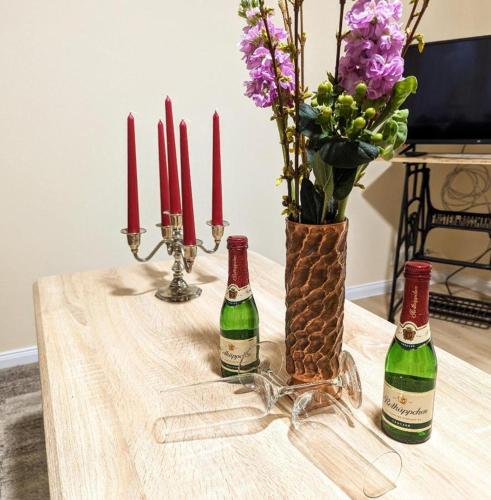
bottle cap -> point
(237, 241)
(419, 269)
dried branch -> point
(302, 50)
(296, 13)
(302, 80)
(281, 111)
(339, 38)
(413, 23)
(287, 21)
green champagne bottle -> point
(410, 365)
(239, 319)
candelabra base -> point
(181, 293)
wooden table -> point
(107, 348)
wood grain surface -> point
(108, 347)
(445, 159)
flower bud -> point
(359, 123)
(325, 88)
(347, 100)
(370, 113)
(361, 89)
(326, 112)
(313, 102)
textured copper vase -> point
(314, 279)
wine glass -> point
(328, 433)
(272, 365)
(201, 409)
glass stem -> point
(292, 389)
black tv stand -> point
(410, 151)
(415, 154)
(418, 217)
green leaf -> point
(401, 91)
(312, 201)
(390, 132)
(324, 179)
(348, 154)
(344, 180)
(322, 173)
(388, 153)
(401, 134)
(421, 42)
(307, 123)
(400, 117)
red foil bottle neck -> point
(415, 306)
(238, 271)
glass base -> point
(351, 379)
(178, 294)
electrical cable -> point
(455, 199)
(458, 270)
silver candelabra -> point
(184, 256)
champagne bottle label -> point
(237, 354)
(407, 411)
(235, 294)
(411, 336)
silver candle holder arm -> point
(178, 290)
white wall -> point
(71, 72)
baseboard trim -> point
(383, 287)
(368, 290)
(18, 357)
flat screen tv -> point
(453, 102)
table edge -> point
(54, 477)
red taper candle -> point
(175, 196)
(133, 211)
(164, 179)
(189, 232)
(217, 211)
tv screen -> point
(453, 102)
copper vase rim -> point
(292, 222)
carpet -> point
(23, 469)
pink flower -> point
(262, 87)
(373, 47)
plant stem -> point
(339, 38)
(418, 17)
(280, 111)
(286, 19)
(411, 16)
(340, 215)
(286, 154)
(302, 49)
(325, 208)
(296, 13)
(303, 149)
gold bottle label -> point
(238, 353)
(411, 336)
(407, 411)
(235, 295)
